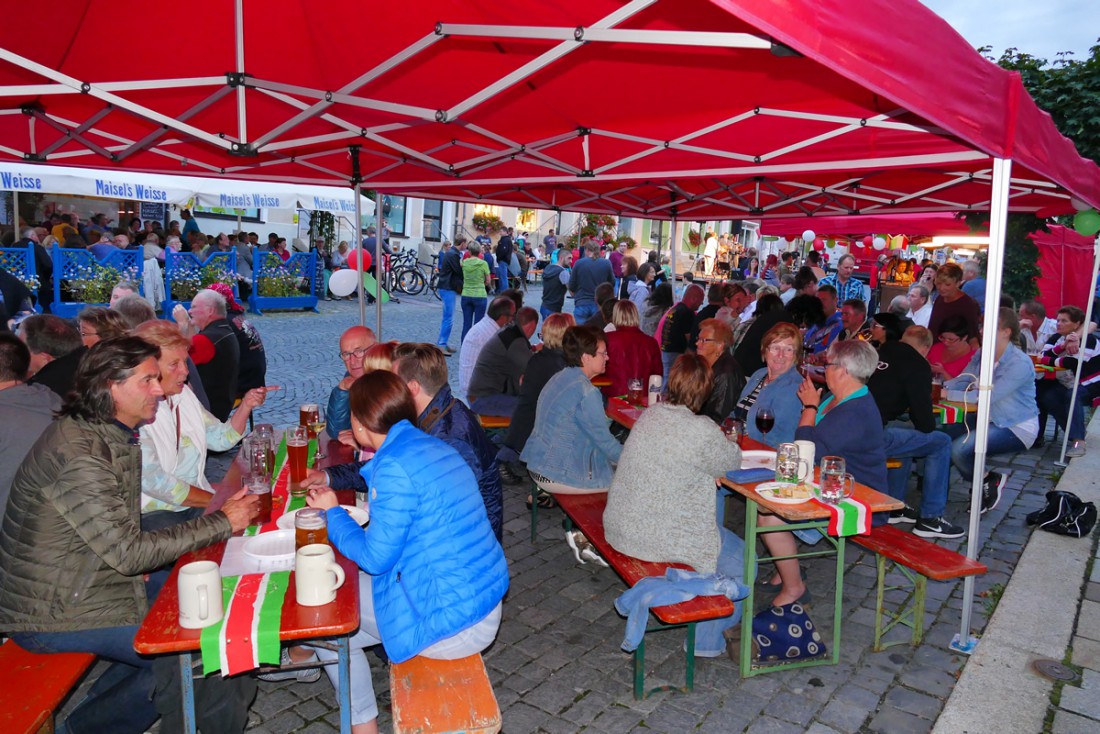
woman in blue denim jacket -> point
(571, 449)
(1013, 413)
(775, 386)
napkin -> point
(849, 517)
(750, 476)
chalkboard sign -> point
(153, 210)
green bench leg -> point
(535, 490)
(920, 590)
(909, 613)
(640, 693)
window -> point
(658, 232)
(393, 213)
(526, 221)
(433, 220)
(250, 214)
(626, 226)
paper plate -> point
(277, 545)
(767, 490)
(758, 460)
(358, 514)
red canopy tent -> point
(1065, 259)
(934, 223)
(646, 108)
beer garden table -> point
(803, 516)
(160, 632)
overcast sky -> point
(1039, 27)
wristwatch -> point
(807, 406)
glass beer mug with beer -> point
(296, 447)
(310, 526)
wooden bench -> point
(443, 696)
(585, 511)
(494, 422)
(918, 560)
(33, 686)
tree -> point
(1068, 89)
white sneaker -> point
(302, 675)
(571, 540)
(589, 553)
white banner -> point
(178, 190)
(88, 182)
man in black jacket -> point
(505, 247)
(555, 283)
(43, 263)
(901, 385)
(215, 351)
(56, 350)
(450, 286)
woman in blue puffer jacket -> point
(433, 574)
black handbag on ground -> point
(1065, 514)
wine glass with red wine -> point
(765, 420)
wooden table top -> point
(160, 631)
(810, 510)
(622, 412)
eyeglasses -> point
(949, 339)
(833, 364)
(84, 333)
(780, 349)
(601, 354)
(708, 341)
(357, 353)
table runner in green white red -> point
(248, 634)
(948, 414)
(849, 517)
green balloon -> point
(1087, 222)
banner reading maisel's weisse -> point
(46, 179)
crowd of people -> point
(113, 417)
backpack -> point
(1065, 514)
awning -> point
(179, 190)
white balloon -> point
(878, 243)
(1079, 205)
(343, 282)
(808, 235)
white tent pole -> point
(238, 17)
(672, 255)
(1080, 362)
(378, 264)
(998, 221)
(359, 258)
(15, 216)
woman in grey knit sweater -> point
(662, 502)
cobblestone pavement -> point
(557, 666)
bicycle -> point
(405, 274)
(433, 280)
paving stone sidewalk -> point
(557, 666)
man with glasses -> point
(354, 343)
